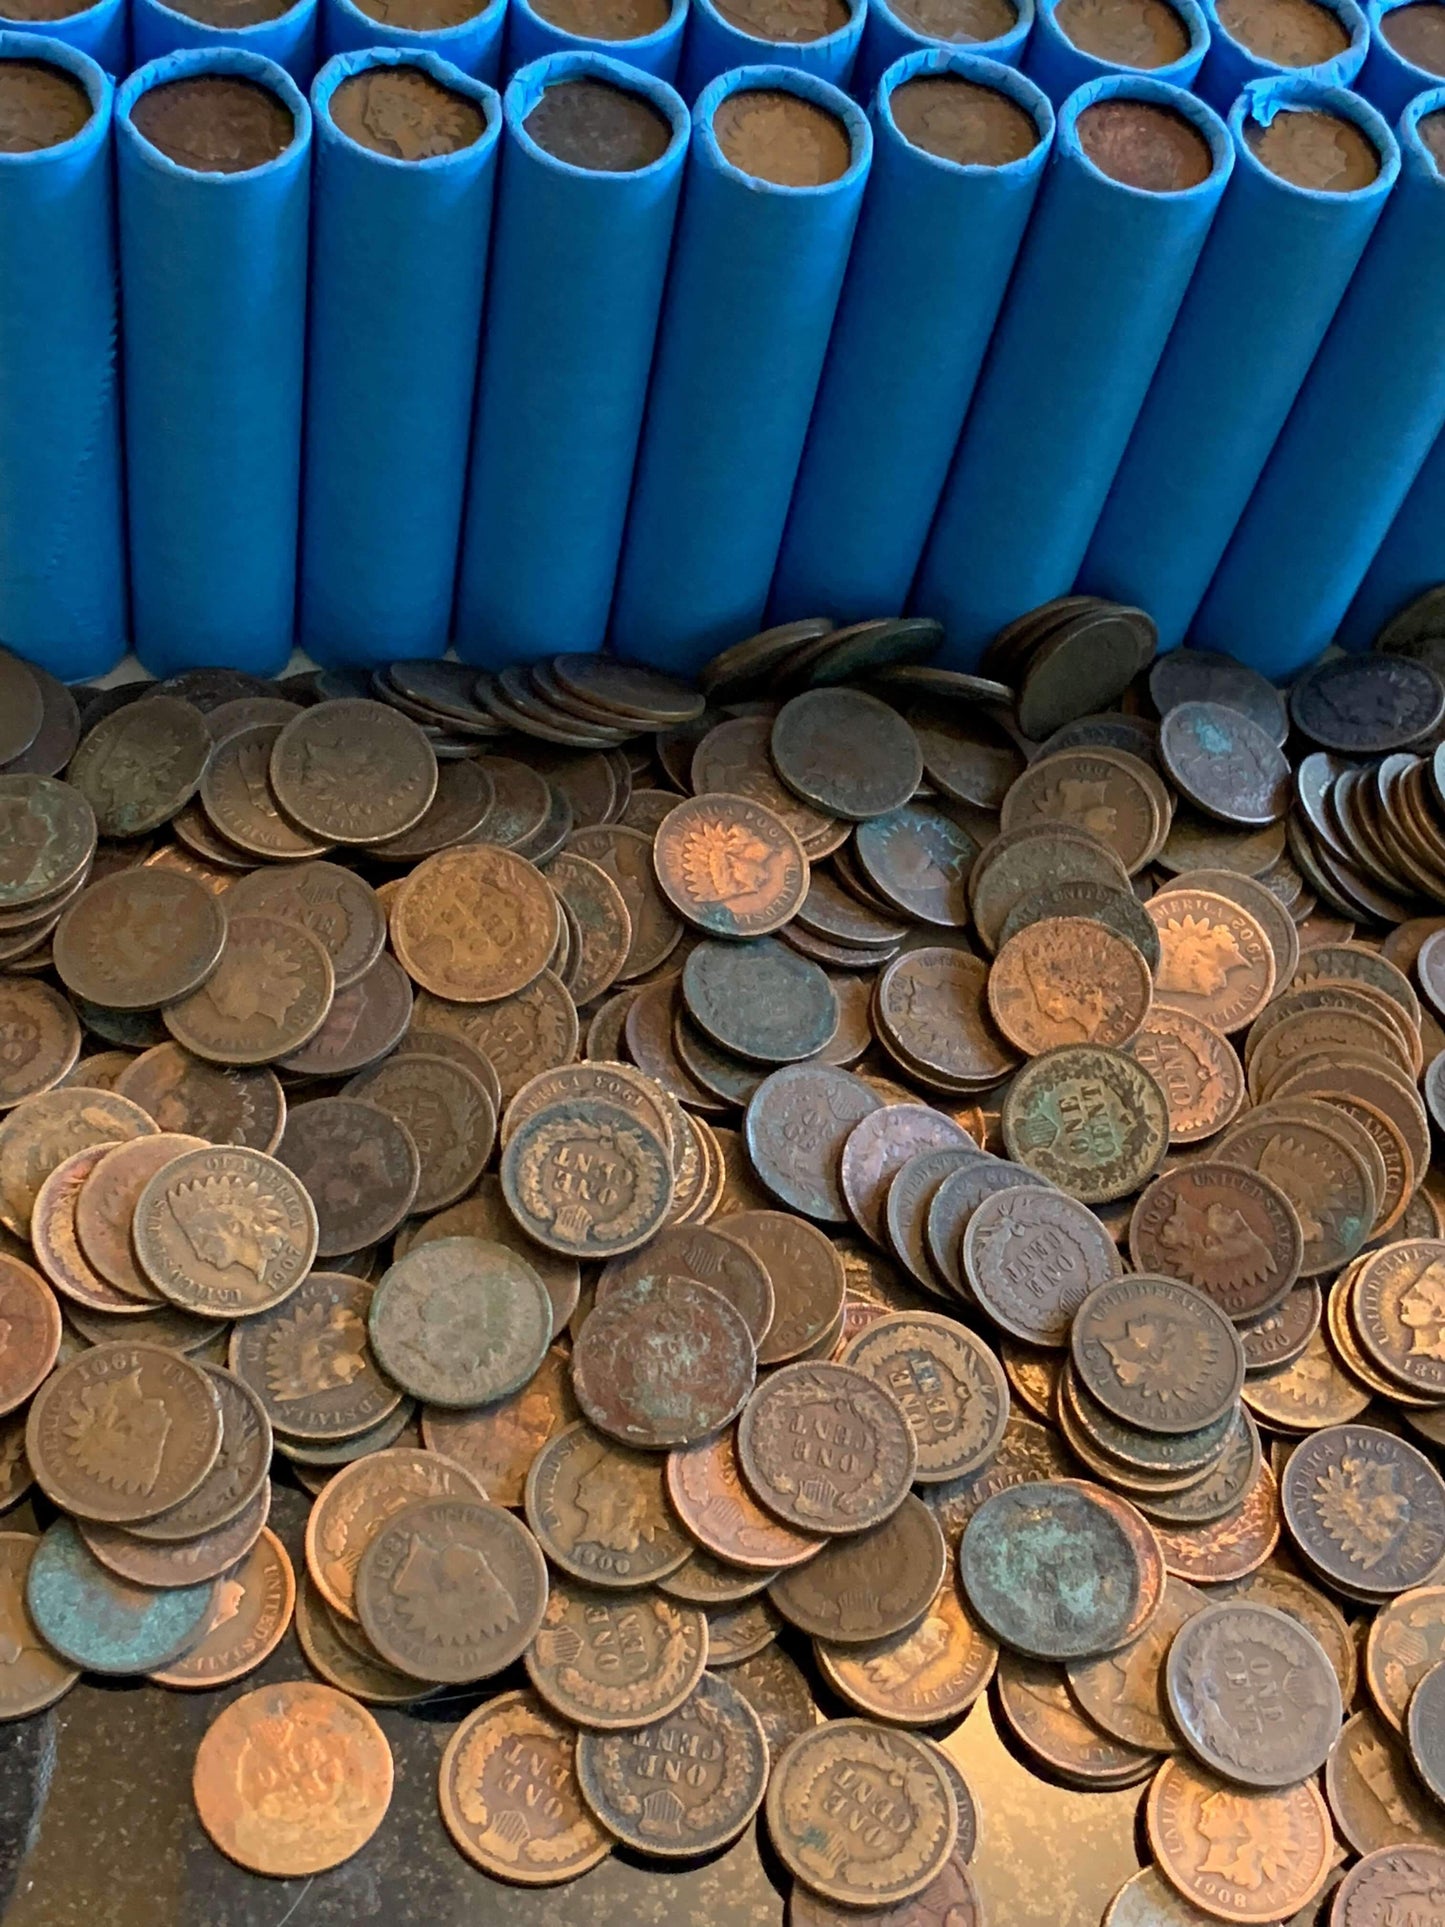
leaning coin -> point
(600, 1512)
(950, 1385)
(42, 1132)
(806, 1274)
(360, 1166)
(510, 1799)
(449, 1114)
(123, 1432)
(867, 1586)
(721, 1736)
(309, 1363)
(315, 1741)
(705, 1486)
(1051, 1571)
(1199, 1826)
(1157, 1354)
(105, 1624)
(358, 1501)
(105, 1208)
(1253, 1694)
(1195, 1067)
(253, 1609)
(663, 1363)
(460, 1322)
(185, 1562)
(824, 1784)
(41, 1038)
(796, 1125)
(1366, 1509)
(31, 1329)
(1425, 1730)
(35, 1677)
(611, 1660)
(225, 1232)
(140, 764)
(269, 994)
(1226, 1230)
(451, 1590)
(342, 1662)
(871, 1450)
(1124, 1691)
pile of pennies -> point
(760, 1215)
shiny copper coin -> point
(1068, 980)
(1208, 1836)
(325, 1751)
(730, 865)
(1216, 963)
(510, 1798)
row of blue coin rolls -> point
(374, 406)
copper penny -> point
(137, 766)
(950, 1385)
(932, 1014)
(826, 1449)
(796, 1125)
(39, 1039)
(1038, 1711)
(309, 1362)
(1254, 1694)
(139, 939)
(707, 1256)
(730, 866)
(1319, 1171)
(326, 1754)
(366, 1020)
(187, 1096)
(345, 1663)
(1032, 1256)
(1224, 1229)
(1216, 962)
(867, 1586)
(333, 903)
(1398, 1881)
(106, 1204)
(805, 1271)
(358, 1502)
(498, 1442)
(1089, 1120)
(359, 1165)
(510, 1798)
(600, 1511)
(1366, 1509)
(1231, 1547)
(932, 1671)
(33, 1676)
(189, 1563)
(269, 994)
(586, 1179)
(234, 1481)
(225, 1232)
(1068, 980)
(460, 1322)
(474, 924)
(253, 1609)
(1195, 1067)
(1092, 789)
(1124, 1691)
(706, 1488)
(917, 859)
(30, 1324)
(1244, 1857)
(877, 1148)
(353, 771)
(40, 1133)
(846, 753)
(1374, 1794)
(662, 1363)
(485, 1215)
(1157, 1354)
(1051, 1571)
(610, 1660)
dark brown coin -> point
(253, 1610)
(186, 1562)
(1275, 1341)
(778, 1693)
(123, 1432)
(235, 1480)
(603, 922)
(240, 806)
(917, 859)
(451, 1590)
(510, 1798)
(1225, 764)
(953, 1204)
(823, 1790)
(1425, 1729)
(1118, 910)
(1322, 1175)
(826, 1449)
(932, 1014)
(1032, 1256)
(485, 1215)
(1027, 1453)
(846, 753)
(662, 1363)
(498, 1442)
(39, 1134)
(776, 135)
(730, 865)
(718, 1732)
(706, 1255)
(353, 771)
(1202, 676)
(189, 1097)
(269, 995)
(1375, 1796)
(1114, 797)
(1224, 1229)
(1092, 1121)
(616, 1660)
(334, 904)
(460, 1322)
(932, 1671)
(105, 1209)
(30, 1327)
(587, 1179)
(867, 1586)
(405, 114)
(1253, 1694)
(796, 1125)
(446, 1110)
(626, 856)
(879, 1145)
(600, 1511)
(1039, 1713)
(760, 1000)
(364, 1023)
(360, 1167)
(1396, 1881)
(215, 123)
(225, 1232)
(1157, 1354)
(139, 939)
(1051, 1571)
(950, 1385)
(1195, 1067)
(34, 1677)
(1367, 705)
(49, 838)
(474, 924)
(594, 124)
(806, 1274)
(138, 766)
(1366, 1509)
(39, 1039)
(911, 1192)
(1124, 1691)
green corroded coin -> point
(103, 1623)
(1050, 1571)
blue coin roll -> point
(1388, 80)
(100, 31)
(1277, 261)
(530, 36)
(62, 531)
(398, 268)
(289, 41)
(1053, 61)
(473, 44)
(714, 46)
(579, 260)
(935, 246)
(1100, 277)
(756, 273)
(1371, 405)
(1229, 66)
(213, 278)
(1411, 558)
(887, 37)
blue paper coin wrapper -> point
(213, 271)
(289, 40)
(935, 245)
(474, 44)
(714, 46)
(579, 259)
(1387, 79)
(398, 269)
(1354, 441)
(100, 31)
(1230, 66)
(1053, 61)
(887, 37)
(62, 534)
(1099, 281)
(531, 37)
(753, 288)
(1277, 261)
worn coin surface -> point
(1366, 1509)
(1051, 1571)
(451, 1590)
(931, 1671)
(103, 1623)
(187, 1096)
(722, 1738)
(139, 938)
(1157, 1354)
(730, 865)
(1215, 959)
(795, 1125)
(253, 1608)
(498, 1442)
(224, 1231)
(612, 1660)
(1032, 1257)
(236, 1478)
(586, 1179)
(1425, 1730)
(663, 1362)
(359, 1166)
(862, 1814)
(460, 1322)
(510, 1798)
(1092, 1121)
(1068, 980)
(600, 1511)
(105, 1208)
(360, 1499)
(1254, 1695)
(1245, 1857)
(1224, 1229)
(867, 1586)
(292, 1779)
(39, 1039)
(449, 1114)
(950, 1385)
(137, 766)
(474, 924)
(269, 994)
(31, 1675)
(1399, 1883)
(1124, 1691)
(760, 1000)
(708, 1494)
(826, 1448)
(309, 1362)
(40, 1133)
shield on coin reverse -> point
(510, 1798)
(611, 1660)
(1092, 1121)
(1051, 1571)
(1253, 1694)
(1032, 1257)
(871, 1448)
(950, 1385)
(586, 1179)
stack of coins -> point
(775, 1223)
